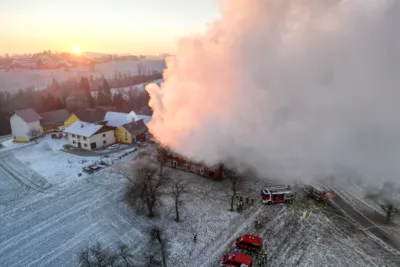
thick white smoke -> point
(294, 88)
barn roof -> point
(135, 127)
(91, 115)
(138, 117)
(54, 116)
(116, 119)
(28, 115)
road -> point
(363, 221)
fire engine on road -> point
(277, 194)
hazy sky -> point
(133, 26)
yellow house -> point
(131, 132)
(88, 115)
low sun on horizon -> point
(77, 49)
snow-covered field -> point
(12, 81)
(47, 226)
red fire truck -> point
(249, 243)
(277, 194)
(236, 260)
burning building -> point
(174, 160)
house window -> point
(104, 135)
(85, 145)
(74, 142)
(104, 141)
(211, 174)
(84, 138)
(186, 166)
(79, 137)
(201, 171)
(193, 168)
(126, 139)
(73, 135)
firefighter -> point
(241, 205)
(195, 237)
(238, 206)
(265, 257)
(259, 262)
(252, 201)
(247, 201)
(240, 198)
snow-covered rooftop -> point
(116, 119)
(81, 128)
(137, 117)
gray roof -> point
(91, 115)
(136, 127)
(28, 115)
(55, 116)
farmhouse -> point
(53, 120)
(95, 115)
(90, 136)
(25, 125)
(132, 132)
(177, 161)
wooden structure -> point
(177, 161)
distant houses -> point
(86, 129)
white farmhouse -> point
(89, 136)
(25, 125)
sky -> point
(118, 26)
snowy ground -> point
(57, 167)
(47, 226)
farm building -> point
(95, 115)
(52, 120)
(25, 125)
(132, 132)
(177, 161)
(90, 136)
(117, 119)
(146, 119)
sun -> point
(77, 49)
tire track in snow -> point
(7, 249)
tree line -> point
(74, 94)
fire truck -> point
(236, 260)
(249, 243)
(277, 194)
(315, 192)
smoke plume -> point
(293, 88)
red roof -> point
(252, 239)
(242, 258)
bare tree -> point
(97, 256)
(178, 189)
(235, 182)
(156, 234)
(94, 256)
(145, 191)
(387, 198)
(34, 134)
